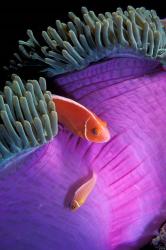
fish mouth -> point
(105, 136)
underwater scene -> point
(83, 126)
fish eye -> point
(73, 206)
(95, 131)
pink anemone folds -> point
(128, 203)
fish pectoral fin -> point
(104, 124)
(79, 133)
(81, 202)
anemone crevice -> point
(74, 45)
(27, 116)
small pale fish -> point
(83, 192)
(80, 120)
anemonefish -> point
(80, 120)
(83, 192)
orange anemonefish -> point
(83, 192)
(80, 120)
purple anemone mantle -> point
(128, 203)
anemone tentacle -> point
(74, 45)
(27, 116)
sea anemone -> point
(117, 73)
(74, 45)
(28, 117)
